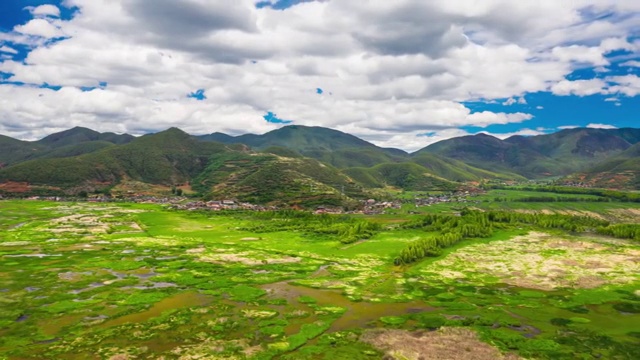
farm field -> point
(520, 201)
(139, 281)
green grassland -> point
(521, 201)
(139, 281)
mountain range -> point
(308, 165)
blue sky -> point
(400, 74)
(551, 110)
(279, 4)
(14, 12)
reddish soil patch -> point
(15, 187)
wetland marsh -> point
(137, 281)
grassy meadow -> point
(139, 281)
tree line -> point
(560, 199)
(341, 227)
(621, 231)
(617, 195)
(476, 224)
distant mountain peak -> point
(75, 131)
(79, 134)
(173, 156)
(558, 153)
(173, 130)
(328, 145)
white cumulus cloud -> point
(579, 87)
(39, 27)
(390, 71)
(631, 63)
(601, 126)
(7, 49)
(44, 10)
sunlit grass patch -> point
(259, 314)
(541, 261)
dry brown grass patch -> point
(627, 215)
(246, 259)
(250, 239)
(443, 344)
(544, 261)
(120, 357)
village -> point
(366, 207)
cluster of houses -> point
(43, 198)
(372, 206)
(577, 184)
(368, 207)
(459, 197)
(217, 205)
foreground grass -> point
(83, 281)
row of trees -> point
(623, 196)
(546, 199)
(433, 246)
(360, 230)
(547, 221)
(452, 230)
(621, 231)
(476, 224)
(344, 228)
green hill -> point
(296, 137)
(74, 149)
(217, 170)
(554, 154)
(490, 153)
(271, 179)
(217, 137)
(312, 165)
(364, 162)
(169, 157)
(327, 145)
(72, 142)
(13, 151)
(456, 170)
(621, 171)
(580, 147)
(281, 151)
(407, 176)
(79, 135)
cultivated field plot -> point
(124, 281)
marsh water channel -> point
(354, 314)
(359, 314)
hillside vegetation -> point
(169, 157)
(72, 142)
(560, 153)
(408, 176)
(300, 164)
(272, 179)
(620, 171)
(327, 145)
(456, 170)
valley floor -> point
(135, 281)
